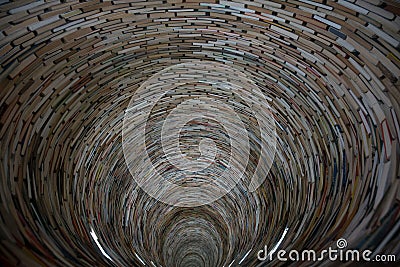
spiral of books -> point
(198, 132)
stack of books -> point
(329, 70)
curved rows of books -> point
(199, 132)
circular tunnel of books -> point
(198, 132)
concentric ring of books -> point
(329, 70)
